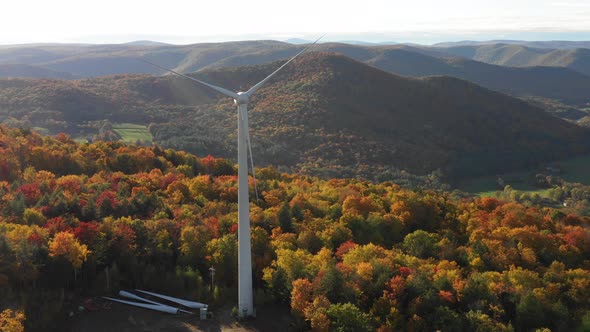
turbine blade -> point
(214, 87)
(259, 84)
(247, 133)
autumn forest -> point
(386, 197)
(341, 254)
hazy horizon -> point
(181, 22)
(424, 38)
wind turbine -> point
(245, 299)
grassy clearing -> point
(487, 185)
(42, 131)
(576, 170)
(131, 133)
(496, 193)
(479, 185)
(572, 170)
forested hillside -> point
(21, 70)
(343, 254)
(550, 82)
(326, 115)
(98, 60)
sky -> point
(185, 22)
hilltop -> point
(325, 114)
(415, 124)
(422, 61)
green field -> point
(42, 131)
(131, 133)
(488, 185)
(80, 140)
(572, 170)
(576, 169)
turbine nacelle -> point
(242, 98)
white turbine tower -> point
(245, 299)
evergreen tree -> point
(284, 216)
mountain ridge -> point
(100, 60)
(577, 59)
(556, 44)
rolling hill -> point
(555, 44)
(99, 60)
(577, 59)
(326, 114)
(550, 82)
(20, 70)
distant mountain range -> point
(549, 82)
(577, 59)
(556, 44)
(325, 114)
(299, 41)
(491, 65)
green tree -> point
(284, 217)
(349, 318)
(34, 217)
(18, 205)
(224, 258)
(421, 244)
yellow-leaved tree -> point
(65, 245)
(11, 321)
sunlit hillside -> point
(325, 115)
